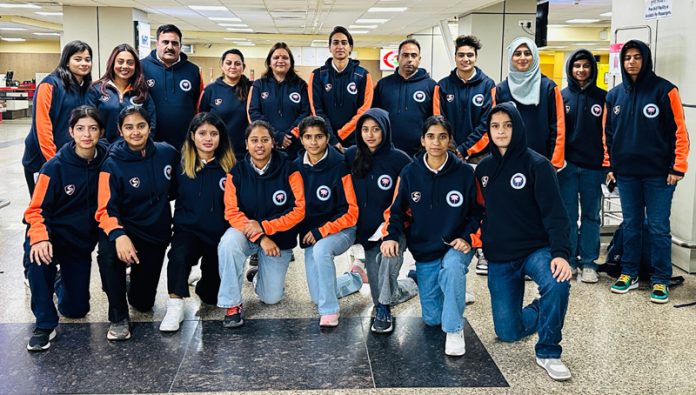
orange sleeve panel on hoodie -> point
(34, 213)
(296, 215)
(106, 222)
(436, 101)
(201, 87)
(681, 148)
(493, 93)
(387, 212)
(558, 157)
(349, 127)
(350, 218)
(233, 214)
(311, 94)
(606, 162)
(42, 119)
(251, 91)
(479, 146)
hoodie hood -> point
(646, 70)
(333, 158)
(67, 155)
(352, 63)
(592, 79)
(153, 58)
(476, 79)
(419, 75)
(382, 118)
(451, 164)
(518, 143)
(121, 151)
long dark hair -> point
(363, 156)
(292, 75)
(242, 87)
(137, 81)
(62, 71)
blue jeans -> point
(383, 272)
(511, 321)
(587, 183)
(442, 290)
(321, 272)
(652, 196)
(269, 282)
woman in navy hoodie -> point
(199, 217)
(375, 165)
(436, 195)
(135, 185)
(61, 227)
(122, 85)
(56, 96)
(227, 98)
(280, 98)
(328, 229)
(524, 233)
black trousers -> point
(143, 277)
(186, 250)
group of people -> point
(444, 169)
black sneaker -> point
(233, 317)
(254, 260)
(251, 273)
(383, 320)
(412, 275)
(482, 263)
(41, 339)
(292, 257)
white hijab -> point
(524, 85)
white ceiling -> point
(286, 17)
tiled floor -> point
(612, 344)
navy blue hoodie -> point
(221, 99)
(409, 103)
(375, 190)
(466, 106)
(50, 126)
(107, 100)
(584, 119)
(275, 199)
(134, 192)
(64, 201)
(340, 98)
(645, 128)
(545, 122)
(175, 91)
(440, 207)
(330, 197)
(200, 207)
(283, 105)
(523, 207)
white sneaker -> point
(174, 315)
(589, 276)
(455, 345)
(469, 298)
(555, 368)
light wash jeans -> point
(442, 289)
(269, 282)
(324, 287)
(383, 273)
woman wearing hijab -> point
(538, 100)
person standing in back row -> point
(407, 95)
(175, 86)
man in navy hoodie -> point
(648, 146)
(175, 85)
(524, 233)
(407, 95)
(583, 174)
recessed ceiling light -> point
(240, 29)
(10, 5)
(13, 39)
(236, 39)
(45, 13)
(208, 8)
(581, 20)
(233, 24)
(224, 18)
(362, 27)
(12, 29)
(370, 20)
(359, 32)
(246, 44)
(387, 9)
(606, 14)
(47, 34)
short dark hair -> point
(469, 41)
(130, 110)
(84, 112)
(313, 121)
(259, 124)
(410, 41)
(437, 120)
(168, 28)
(343, 30)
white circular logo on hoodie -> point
(596, 110)
(477, 100)
(168, 172)
(222, 182)
(651, 110)
(518, 181)
(419, 96)
(384, 182)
